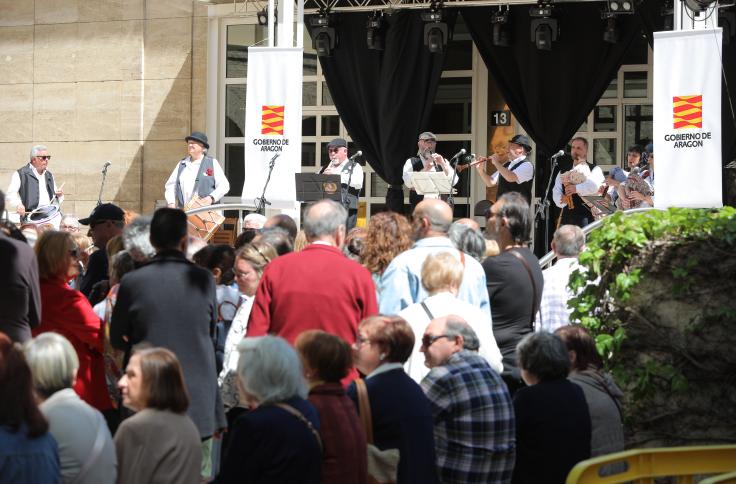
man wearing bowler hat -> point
(198, 175)
(351, 177)
(515, 175)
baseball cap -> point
(105, 211)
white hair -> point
(53, 362)
(136, 238)
(270, 370)
(37, 149)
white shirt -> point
(444, 304)
(356, 181)
(524, 172)
(187, 177)
(409, 169)
(555, 295)
(593, 182)
(12, 196)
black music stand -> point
(311, 187)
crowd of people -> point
(413, 350)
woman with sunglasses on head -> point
(66, 311)
(400, 412)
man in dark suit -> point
(20, 296)
(171, 303)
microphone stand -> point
(344, 190)
(542, 210)
(104, 176)
(261, 202)
(451, 196)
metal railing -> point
(549, 257)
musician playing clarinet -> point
(516, 175)
(33, 185)
(567, 195)
(426, 160)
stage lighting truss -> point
(435, 30)
(544, 29)
(324, 37)
(621, 7)
(501, 35)
(374, 37)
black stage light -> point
(610, 35)
(544, 28)
(324, 37)
(501, 35)
(435, 30)
(621, 7)
(263, 17)
(374, 36)
(699, 5)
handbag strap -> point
(534, 286)
(364, 407)
(426, 310)
(94, 453)
(301, 417)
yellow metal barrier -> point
(729, 478)
(643, 465)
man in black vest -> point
(577, 212)
(198, 175)
(516, 175)
(426, 160)
(351, 177)
(33, 185)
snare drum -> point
(47, 214)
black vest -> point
(29, 187)
(580, 214)
(203, 185)
(524, 188)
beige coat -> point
(156, 446)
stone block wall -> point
(99, 80)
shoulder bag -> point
(383, 465)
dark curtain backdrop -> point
(384, 97)
(552, 92)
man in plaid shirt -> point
(567, 243)
(474, 428)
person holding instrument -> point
(426, 160)
(516, 175)
(33, 185)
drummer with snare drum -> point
(33, 186)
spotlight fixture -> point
(324, 37)
(262, 17)
(610, 35)
(544, 28)
(435, 30)
(374, 37)
(699, 5)
(501, 36)
(621, 7)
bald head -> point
(435, 217)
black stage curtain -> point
(384, 97)
(552, 92)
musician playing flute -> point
(33, 185)
(516, 175)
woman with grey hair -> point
(468, 239)
(278, 440)
(86, 450)
(552, 419)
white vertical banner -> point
(273, 124)
(687, 118)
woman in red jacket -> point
(67, 312)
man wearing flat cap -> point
(197, 175)
(426, 160)
(351, 176)
(516, 175)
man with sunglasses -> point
(33, 185)
(426, 160)
(351, 176)
(474, 427)
(105, 222)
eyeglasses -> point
(360, 341)
(241, 275)
(428, 339)
(333, 150)
(74, 252)
(44, 157)
(96, 223)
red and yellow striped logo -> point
(687, 111)
(272, 120)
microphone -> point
(558, 154)
(459, 153)
(105, 167)
(356, 155)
